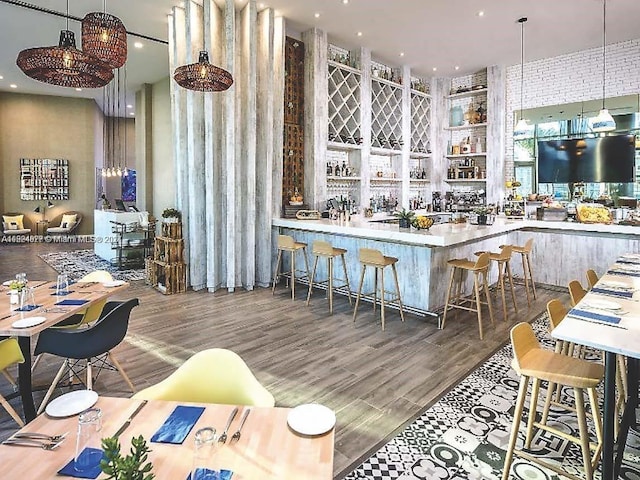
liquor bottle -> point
(336, 170)
(424, 174)
(329, 169)
(343, 170)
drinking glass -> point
(206, 443)
(21, 278)
(62, 284)
(88, 442)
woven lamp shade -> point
(203, 76)
(64, 65)
(105, 37)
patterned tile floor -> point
(77, 263)
(465, 434)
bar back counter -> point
(562, 251)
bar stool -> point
(479, 267)
(527, 273)
(374, 258)
(286, 243)
(504, 269)
(326, 250)
(532, 362)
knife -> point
(127, 422)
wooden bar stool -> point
(479, 268)
(326, 250)
(286, 243)
(527, 272)
(374, 258)
(504, 269)
(534, 363)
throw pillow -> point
(17, 219)
(64, 225)
(69, 219)
(13, 226)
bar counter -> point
(562, 251)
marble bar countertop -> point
(444, 234)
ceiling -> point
(439, 34)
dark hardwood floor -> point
(375, 381)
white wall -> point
(571, 78)
(164, 179)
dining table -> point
(607, 318)
(45, 298)
(268, 448)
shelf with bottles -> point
(467, 168)
(420, 86)
(342, 58)
(468, 127)
(385, 74)
(340, 167)
(467, 102)
(332, 145)
(464, 155)
(465, 180)
(476, 90)
(387, 202)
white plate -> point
(603, 304)
(28, 322)
(628, 267)
(615, 285)
(114, 283)
(311, 419)
(71, 403)
(7, 283)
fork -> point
(223, 437)
(236, 436)
(39, 436)
(27, 442)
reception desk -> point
(105, 238)
(562, 251)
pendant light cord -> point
(522, 22)
(604, 49)
(67, 14)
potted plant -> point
(405, 217)
(482, 213)
(171, 215)
(129, 467)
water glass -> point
(62, 284)
(88, 442)
(21, 278)
(206, 443)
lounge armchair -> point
(66, 223)
(15, 224)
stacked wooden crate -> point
(167, 270)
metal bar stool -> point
(536, 364)
(527, 273)
(504, 269)
(479, 268)
(326, 250)
(286, 243)
(374, 258)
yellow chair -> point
(592, 278)
(576, 292)
(216, 375)
(10, 354)
(92, 313)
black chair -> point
(92, 344)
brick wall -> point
(571, 78)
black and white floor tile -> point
(464, 435)
(78, 263)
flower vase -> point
(14, 299)
(404, 223)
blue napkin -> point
(600, 317)
(71, 301)
(62, 294)
(178, 425)
(27, 308)
(615, 293)
(623, 272)
(206, 474)
(69, 470)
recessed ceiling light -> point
(359, 34)
(457, 67)
(129, 106)
(481, 13)
(345, 1)
(435, 69)
(138, 45)
(1, 77)
(13, 85)
(78, 89)
(261, 5)
(317, 15)
(402, 54)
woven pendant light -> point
(203, 76)
(105, 37)
(64, 65)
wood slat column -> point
(439, 121)
(496, 105)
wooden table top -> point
(623, 338)
(44, 296)
(268, 448)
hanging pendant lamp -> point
(203, 76)
(64, 65)
(105, 37)
(522, 128)
(603, 122)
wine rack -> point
(293, 144)
(420, 123)
(386, 114)
(344, 105)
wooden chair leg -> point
(9, 377)
(513, 293)
(547, 402)
(116, 364)
(597, 421)
(476, 289)
(533, 283)
(486, 293)
(53, 386)
(446, 305)
(525, 274)
(395, 277)
(381, 296)
(277, 272)
(346, 278)
(501, 287)
(293, 275)
(375, 289)
(313, 276)
(330, 283)
(533, 406)
(517, 417)
(11, 411)
(584, 433)
(306, 260)
(355, 309)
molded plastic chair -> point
(10, 354)
(88, 344)
(211, 376)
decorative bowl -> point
(422, 223)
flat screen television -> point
(592, 160)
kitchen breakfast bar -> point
(562, 251)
